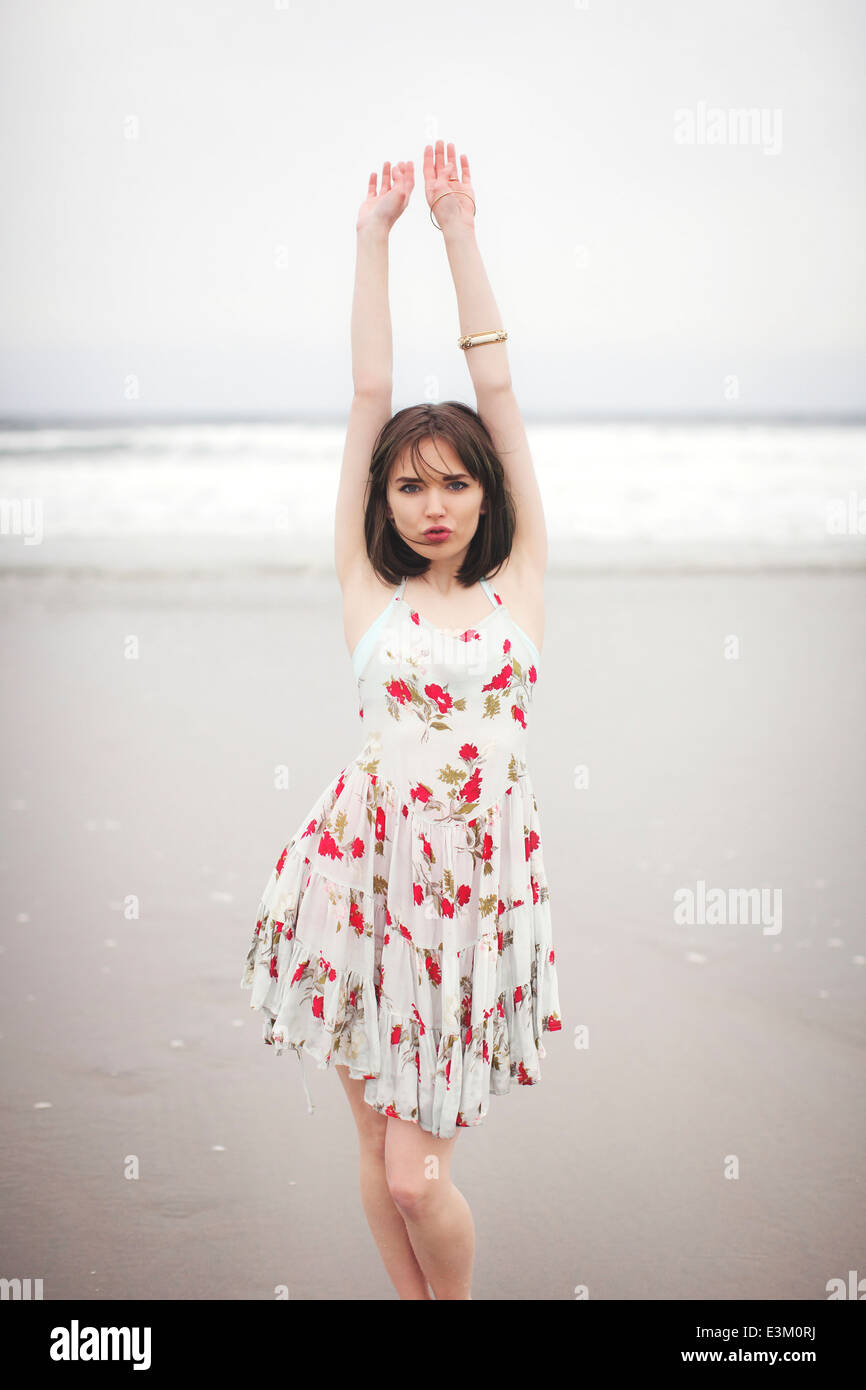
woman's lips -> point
(440, 535)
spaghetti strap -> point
(489, 592)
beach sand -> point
(151, 781)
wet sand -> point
(141, 822)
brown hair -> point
(464, 429)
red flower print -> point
(518, 994)
(328, 845)
(470, 635)
(405, 811)
(388, 916)
(420, 793)
(531, 842)
(433, 970)
(448, 1073)
(500, 908)
(428, 848)
(395, 1033)
(447, 908)
(299, 972)
(380, 824)
(487, 847)
(464, 893)
(404, 931)
(499, 682)
(499, 941)
(340, 785)
(418, 1063)
(468, 751)
(523, 1076)
(399, 690)
(259, 927)
(281, 861)
(484, 1051)
(353, 999)
(500, 1008)
(418, 893)
(550, 957)
(466, 1009)
(318, 1006)
(421, 1029)
(553, 1023)
(332, 974)
(533, 675)
(357, 847)
(310, 830)
(415, 618)
(356, 918)
(469, 1037)
(518, 715)
(389, 1110)
(440, 696)
(506, 646)
(534, 884)
(471, 789)
(274, 975)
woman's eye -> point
(456, 483)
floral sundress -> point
(405, 929)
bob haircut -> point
(464, 429)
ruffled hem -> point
(429, 973)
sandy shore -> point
(151, 780)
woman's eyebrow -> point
(415, 479)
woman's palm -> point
(398, 180)
(441, 175)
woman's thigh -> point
(372, 1126)
(416, 1161)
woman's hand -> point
(383, 208)
(440, 176)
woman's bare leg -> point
(437, 1215)
(383, 1217)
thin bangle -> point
(445, 195)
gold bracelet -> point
(474, 339)
(445, 195)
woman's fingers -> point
(464, 165)
(386, 176)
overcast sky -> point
(181, 182)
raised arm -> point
(372, 361)
(487, 362)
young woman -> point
(404, 935)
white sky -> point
(211, 258)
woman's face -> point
(450, 499)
